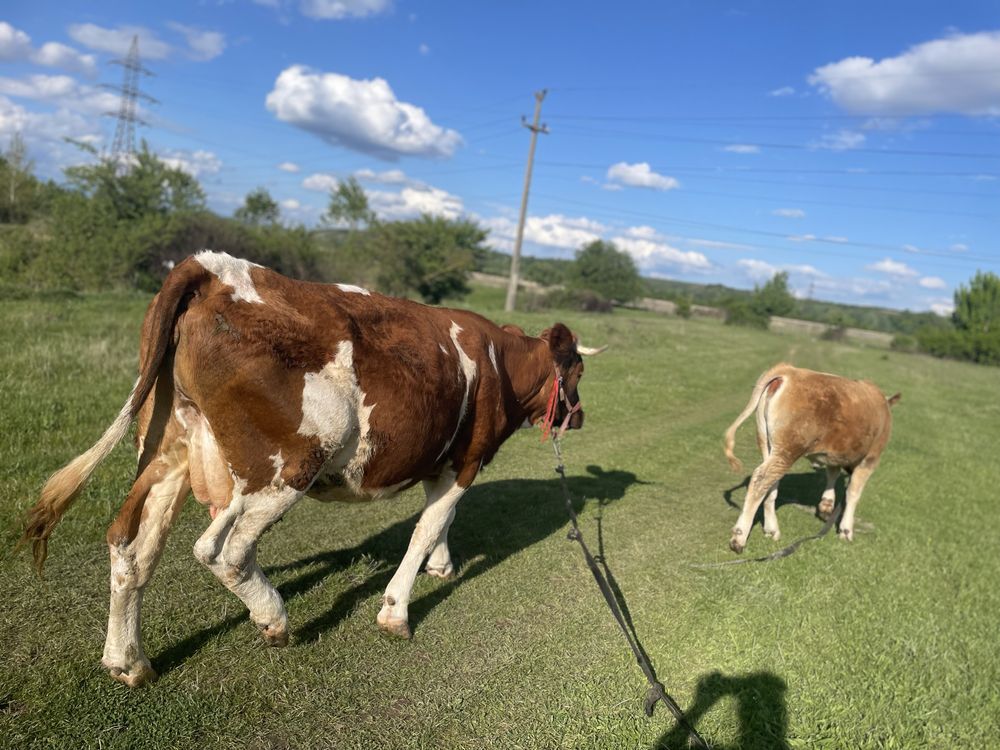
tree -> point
(774, 298)
(977, 307)
(349, 205)
(603, 268)
(258, 209)
(17, 179)
(431, 256)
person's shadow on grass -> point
(494, 520)
(760, 699)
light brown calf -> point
(834, 422)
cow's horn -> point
(589, 350)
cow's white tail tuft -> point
(730, 438)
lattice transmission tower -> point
(123, 146)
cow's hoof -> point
(448, 571)
(275, 635)
(847, 535)
(736, 545)
(775, 535)
(138, 675)
(395, 627)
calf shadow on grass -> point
(494, 520)
(760, 700)
(804, 489)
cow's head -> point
(566, 350)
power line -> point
(123, 146)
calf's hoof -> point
(396, 627)
(846, 534)
(448, 571)
(736, 545)
(135, 676)
(775, 534)
(274, 635)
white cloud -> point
(413, 201)
(893, 268)
(44, 134)
(15, 45)
(933, 282)
(783, 91)
(195, 163)
(912, 249)
(649, 254)
(954, 74)
(387, 177)
(320, 182)
(642, 233)
(612, 187)
(202, 45)
(742, 148)
(424, 49)
(789, 213)
(288, 166)
(117, 41)
(701, 242)
(640, 175)
(842, 140)
(802, 237)
(958, 247)
(761, 270)
(836, 238)
(62, 91)
(335, 10)
(363, 115)
(944, 308)
(554, 230)
(290, 204)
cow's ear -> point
(561, 343)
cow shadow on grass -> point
(494, 521)
(760, 706)
(804, 490)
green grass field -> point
(889, 642)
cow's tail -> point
(63, 487)
(894, 399)
(730, 439)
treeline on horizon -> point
(123, 226)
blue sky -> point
(855, 145)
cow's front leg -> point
(439, 563)
(442, 495)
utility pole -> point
(515, 260)
(123, 146)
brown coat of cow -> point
(834, 422)
(255, 389)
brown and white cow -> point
(255, 389)
(834, 422)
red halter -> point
(556, 395)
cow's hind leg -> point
(229, 549)
(135, 541)
(442, 495)
(764, 480)
(859, 477)
(826, 503)
(770, 515)
(439, 563)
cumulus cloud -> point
(649, 253)
(742, 148)
(15, 45)
(761, 270)
(414, 201)
(195, 163)
(45, 133)
(202, 45)
(842, 140)
(387, 177)
(640, 175)
(893, 268)
(62, 91)
(933, 282)
(554, 230)
(944, 308)
(320, 182)
(954, 74)
(362, 115)
(789, 213)
(117, 41)
(290, 204)
(335, 10)
(288, 166)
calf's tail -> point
(730, 438)
(63, 487)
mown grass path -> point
(889, 642)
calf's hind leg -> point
(135, 541)
(764, 480)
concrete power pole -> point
(515, 260)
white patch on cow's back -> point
(234, 272)
(466, 370)
(334, 412)
(354, 289)
(493, 358)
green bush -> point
(742, 313)
(904, 342)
